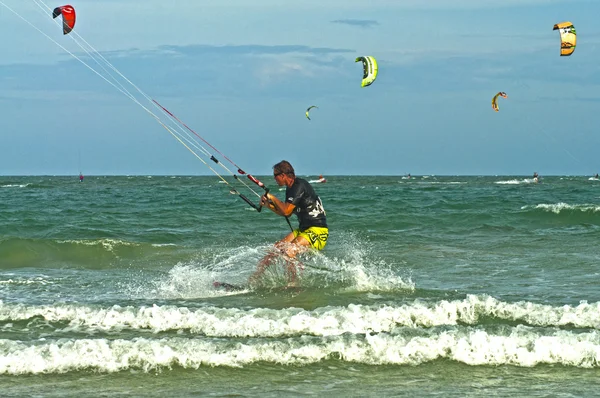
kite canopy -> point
(495, 100)
(68, 14)
(308, 110)
(369, 70)
(568, 38)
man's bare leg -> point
(267, 260)
(296, 246)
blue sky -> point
(241, 74)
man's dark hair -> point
(284, 167)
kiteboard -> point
(228, 287)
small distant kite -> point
(568, 38)
(68, 14)
(308, 110)
(369, 70)
(495, 100)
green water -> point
(452, 285)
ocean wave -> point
(15, 185)
(516, 181)
(37, 280)
(95, 253)
(325, 321)
(517, 346)
(107, 244)
(557, 208)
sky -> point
(242, 73)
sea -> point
(445, 286)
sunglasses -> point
(277, 174)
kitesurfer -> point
(312, 231)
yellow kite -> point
(369, 70)
(495, 100)
(568, 38)
(308, 110)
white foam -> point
(195, 279)
(350, 266)
(38, 280)
(14, 185)
(107, 244)
(354, 270)
(518, 346)
(558, 207)
(324, 321)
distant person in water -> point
(312, 231)
(536, 177)
(80, 177)
(596, 176)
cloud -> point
(292, 71)
(250, 49)
(361, 23)
(194, 70)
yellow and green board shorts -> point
(316, 236)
